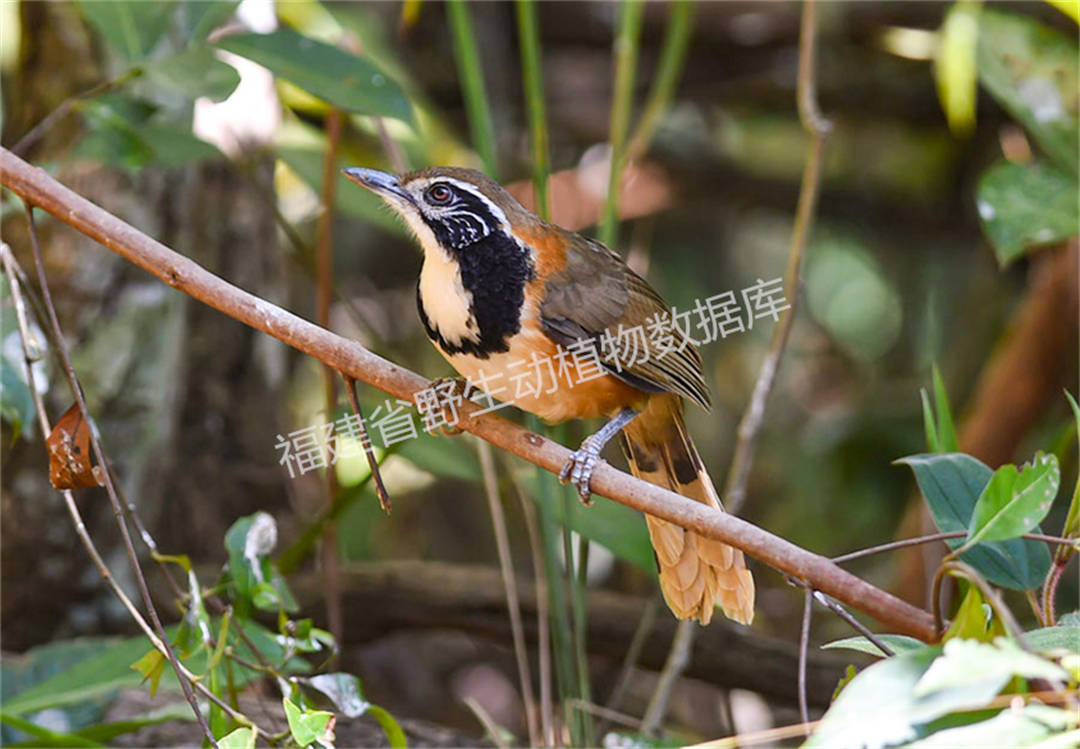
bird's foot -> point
(451, 392)
(578, 469)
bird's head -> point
(450, 206)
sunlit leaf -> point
(352, 83)
(1054, 638)
(309, 726)
(241, 738)
(151, 666)
(896, 643)
(951, 484)
(974, 619)
(1026, 206)
(343, 691)
(1012, 728)
(1031, 70)
(970, 662)
(1014, 501)
(132, 27)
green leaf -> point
(16, 400)
(54, 738)
(342, 690)
(1014, 501)
(1031, 70)
(1013, 728)
(308, 726)
(151, 666)
(896, 643)
(951, 484)
(1055, 638)
(199, 17)
(351, 83)
(970, 662)
(946, 430)
(241, 738)
(875, 708)
(195, 72)
(132, 27)
(954, 65)
(390, 727)
(974, 618)
(1023, 206)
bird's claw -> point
(450, 388)
(578, 470)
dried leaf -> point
(69, 453)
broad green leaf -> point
(875, 709)
(974, 618)
(151, 666)
(951, 484)
(195, 72)
(896, 643)
(390, 727)
(1012, 728)
(1054, 638)
(1031, 70)
(308, 726)
(241, 738)
(342, 690)
(1023, 206)
(1014, 501)
(132, 27)
(344, 80)
(1071, 528)
(970, 662)
(199, 17)
(954, 65)
(946, 429)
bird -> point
(500, 287)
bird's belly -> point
(531, 376)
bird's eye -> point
(439, 194)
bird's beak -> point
(383, 184)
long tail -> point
(696, 574)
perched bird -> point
(501, 290)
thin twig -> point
(99, 453)
(369, 450)
(12, 269)
(989, 595)
(804, 647)
(613, 716)
(678, 658)
(854, 623)
(904, 542)
(67, 105)
(354, 359)
(506, 565)
(818, 127)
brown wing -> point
(597, 291)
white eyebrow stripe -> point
(471, 189)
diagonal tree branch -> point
(36, 186)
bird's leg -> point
(451, 391)
(578, 469)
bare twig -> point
(750, 425)
(369, 451)
(99, 454)
(804, 646)
(506, 565)
(613, 716)
(184, 676)
(904, 542)
(678, 658)
(352, 358)
(854, 623)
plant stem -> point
(533, 74)
(627, 40)
(472, 84)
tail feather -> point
(696, 573)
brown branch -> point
(179, 272)
(734, 493)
